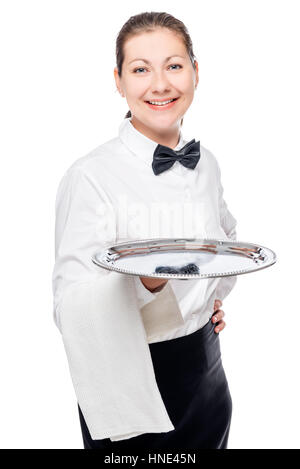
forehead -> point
(154, 45)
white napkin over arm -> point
(98, 316)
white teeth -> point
(161, 103)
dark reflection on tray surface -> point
(187, 269)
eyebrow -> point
(147, 61)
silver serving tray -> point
(184, 258)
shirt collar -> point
(143, 146)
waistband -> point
(204, 335)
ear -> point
(117, 80)
(197, 73)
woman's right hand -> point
(153, 284)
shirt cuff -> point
(144, 296)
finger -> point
(217, 304)
(220, 326)
(218, 315)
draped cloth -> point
(106, 343)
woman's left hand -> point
(217, 316)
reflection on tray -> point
(166, 247)
(186, 269)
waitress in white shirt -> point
(155, 62)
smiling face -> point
(157, 68)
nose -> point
(160, 83)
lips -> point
(161, 100)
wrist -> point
(157, 289)
(152, 284)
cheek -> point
(185, 86)
(136, 89)
(188, 95)
(189, 85)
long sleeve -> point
(97, 314)
(84, 223)
(228, 223)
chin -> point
(159, 123)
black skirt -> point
(192, 382)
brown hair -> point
(147, 22)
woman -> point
(155, 65)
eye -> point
(142, 68)
(176, 65)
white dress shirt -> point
(195, 298)
(111, 195)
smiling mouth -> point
(169, 101)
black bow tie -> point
(165, 157)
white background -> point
(59, 101)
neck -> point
(168, 139)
